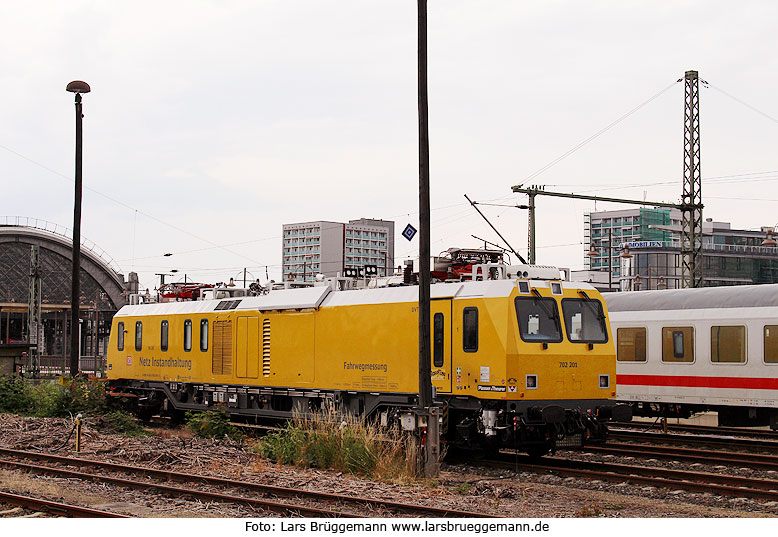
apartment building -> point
(324, 247)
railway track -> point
(704, 482)
(699, 429)
(220, 489)
(54, 508)
(701, 456)
(694, 439)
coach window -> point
(678, 344)
(188, 335)
(771, 344)
(470, 329)
(204, 335)
(437, 340)
(728, 344)
(538, 319)
(163, 331)
(631, 344)
(120, 336)
(138, 335)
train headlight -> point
(605, 381)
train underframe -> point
(728, 416)
(536, 427)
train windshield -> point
(584, 320)
(538, 319)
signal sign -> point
(409, 232)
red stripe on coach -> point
(699, 382)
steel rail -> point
(723, 485)
(254, 487)
(753, 460)
(672, 438)
(704, 429)
(276, 507)
(55, 508)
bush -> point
(352, 447)
(15, 395)
(74, 396)
(20, 396)
(212, 424)
(124, 423)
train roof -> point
(323, 296)
(738, 296)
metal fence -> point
(58, 365)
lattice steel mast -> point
(691, 199)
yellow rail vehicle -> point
(520, 363)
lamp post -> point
(769, 239)
(78, 87)
(592, 253)
(306, 258)
(432, 446)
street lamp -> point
(78, 87)
(306, 258)
(769, 240)
(592, 253)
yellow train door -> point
(247, 347)
(442, 338)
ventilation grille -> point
(222, 348)
(227, 305)
(266, 347)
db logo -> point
(129, 360)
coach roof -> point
(738, 296)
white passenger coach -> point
(691, 350)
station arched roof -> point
(101, 281)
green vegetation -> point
(212, 424)
(15, 395)
(124, 423)
(349, 446)
(20, 396)
(463, 488)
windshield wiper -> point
(594, 304)
(550, 312)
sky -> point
(211, 124)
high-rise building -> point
(310, 248)
(642, 249)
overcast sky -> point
(211, 124)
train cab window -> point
(631, 344)
(204, 335)
(188, 335)
(771, 344)
(163, 333)
(120, 336)
(470, 329)
(584, 320)
(678, 344)
(138, 335)
(728, 344)
(438, 340)
(538, 319)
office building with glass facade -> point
(642, 249)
